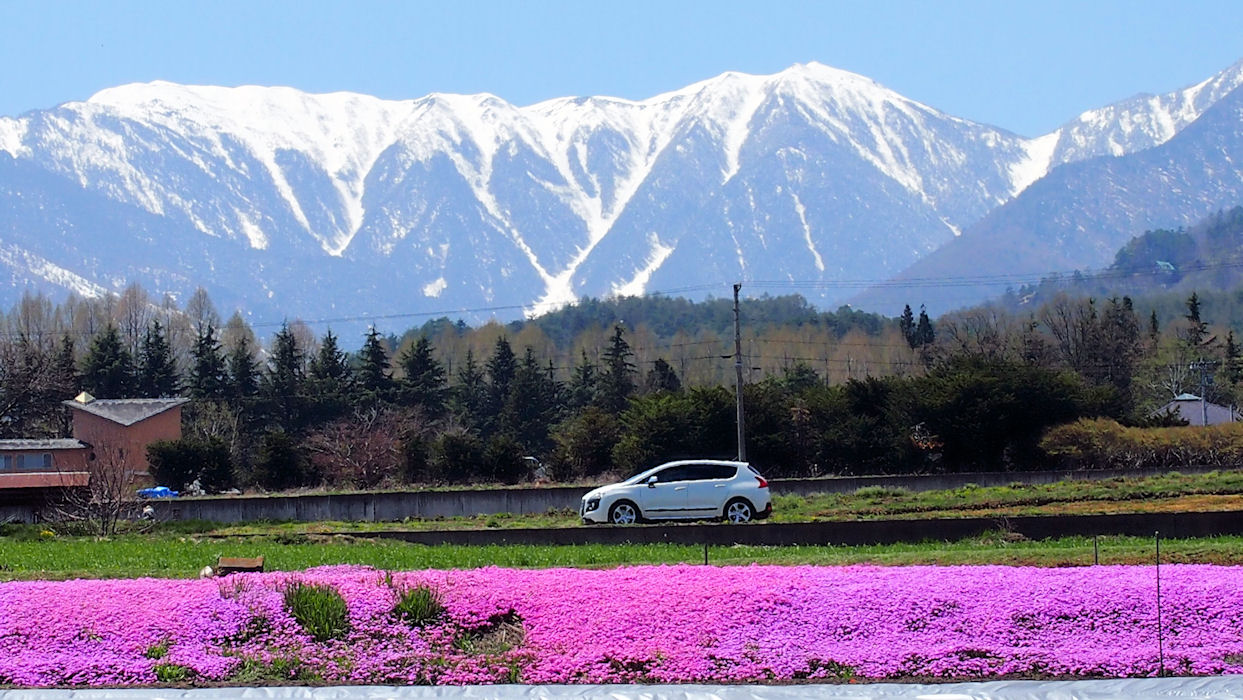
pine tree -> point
(906, 323)
(1196, 329)
(531, 406)
(617, 382)
(157, 371)
(208, 376)
(924, 333)
(502, 367)
(1234, 359)
(282, 387)
(661, 377)
(243, 371)
(423, 383)
(374, 381)
(470, 395)
(584, 383)
(108, 368)
(330, 380)
(65, 380)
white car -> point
(687, 489)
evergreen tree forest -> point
(579, 395)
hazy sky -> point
(1024, 66)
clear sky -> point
(1024, 66)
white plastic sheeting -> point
(1217, 688)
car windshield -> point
(642, 476)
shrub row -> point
(1100, 443)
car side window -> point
(678, 473)
(722, 471)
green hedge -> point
(1100, 443)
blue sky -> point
(1024, 66)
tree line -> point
(498, 403)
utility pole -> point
(1205, 368)
(742, 439)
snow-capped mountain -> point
(342, 205)
(1080, 214)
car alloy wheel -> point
(623, 513)
(739, 512)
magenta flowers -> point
(647, 623)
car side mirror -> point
(651, 482)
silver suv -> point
(682, 490)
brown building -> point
(124, 427)
(103, 429)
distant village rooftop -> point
(27, 444)
(123, 411)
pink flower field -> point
(635, 624)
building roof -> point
(1189, 408)
(40, 445)
(124, 411)
(43, 480)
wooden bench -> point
(233, 565)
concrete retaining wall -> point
(399, 505)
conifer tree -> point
(108, 368)
(374, 381)
(330, 379)
(208, 376)
(924, 333)
(65, 380)
(157, 371)
(1196, 328)
(531, 406)
(584, 383)
(617, 382)
(502, 367)
(906, 323)
(470, 395)
(282, 387)
(423, 380)
(243, 371)
(661, 377)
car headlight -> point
(592, 504)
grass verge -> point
(132, 556)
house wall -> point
(102, 433)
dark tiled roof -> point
(31, 445)
(126, 411)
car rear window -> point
(754, 471)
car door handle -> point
(679, 488)
(719, 486)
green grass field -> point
(28, 555)
(181, 549)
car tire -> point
(739, 510)
(624, 513)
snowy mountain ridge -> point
(812, 173)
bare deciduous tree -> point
(109, 496)
(361, 451)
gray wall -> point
(392, 506)
(399, 505)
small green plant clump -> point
(173, 673)
(319, 609)
(159, 650)
(419, 606)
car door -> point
(667, 497)
(707, 489)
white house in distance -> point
(1197, 412)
